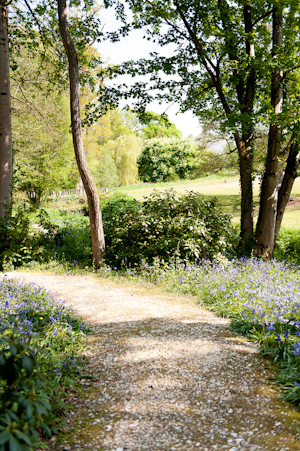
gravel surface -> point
(170, 375)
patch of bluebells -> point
(265, 294)
(31, 310)
(30, 305)
(32, 321)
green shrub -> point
(166, 225)
(167, 159)
(288, 246)
(15, 247)
(24, 405)
(69, 241)
(40, 361)
(116, 198)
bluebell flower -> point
(270, 327)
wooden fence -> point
(67, 193)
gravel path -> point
(171, 375)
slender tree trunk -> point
(265, 229)
(286, 186)
(98, 242)
(5, 115)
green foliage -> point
(117, 199)
(70, 240)
(105, 171)
(125, 151)
(210, 34)
(40, 360)
(64, 238)
(112, 148)
(211, 162)
(15, 248)
(167, 159)
(43, 150)
(288, 246)
(164, 226)
(157, 126)
(24, 405)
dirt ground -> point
(293, 203)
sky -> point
(135, 47)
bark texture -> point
(98, 242)
(5, 115)
(265, 229)
(245, 163)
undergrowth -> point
(40, 363)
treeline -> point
(122, 148)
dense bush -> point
(167, 159)
(39, 361)
(66, 238)
(24, 405)
(164, 226)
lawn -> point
(226, 190)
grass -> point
(228, 194)
(291, 220)
(211, 186)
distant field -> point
(226, 190)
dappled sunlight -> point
(166, 349)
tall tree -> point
(98, 242)
(222, 70)
(265, 228)
(5, 114)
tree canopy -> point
(157, 126)
(167, 159)
(43, 151)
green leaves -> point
(166, 225)
(4, 437)
(167, 159)
(28, 364)
(21, 400)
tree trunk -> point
(245, 91)
(265, 229)
(98, 242)
(244, 151)
(286, 185)
(5, 115)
